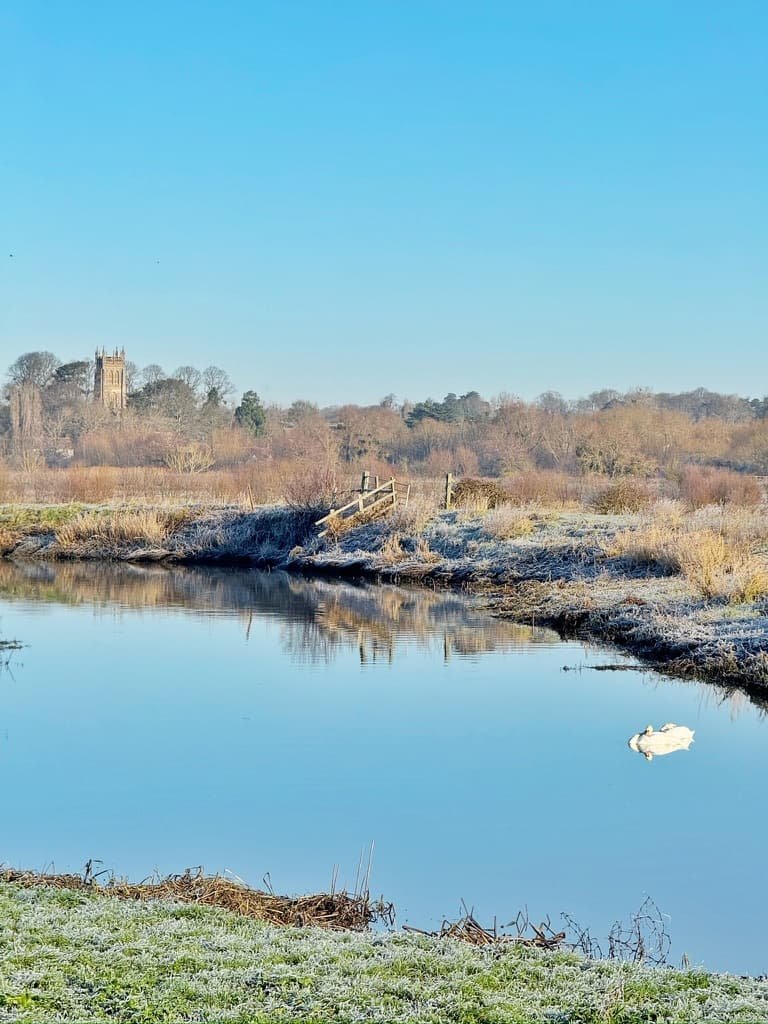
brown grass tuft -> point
(506, 522)
(723, 561)
(120, 526)
(335, 910)
(621, 497)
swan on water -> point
(658, 742)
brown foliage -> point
(336, 910)
(473, 492)
(705, 486)
(623, 496)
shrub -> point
(392, 549)
(508, 523)
(621, 497)
(477, 495)
(700, 487)
(545, 487)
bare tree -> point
(190, 375)
(26, 415)
(214, 378)
(35, 368)
(152, 374)
(132, 376)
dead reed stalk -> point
(333, 910)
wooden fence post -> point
(366, 483)
(448, 490)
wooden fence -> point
(371, 502)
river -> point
(277, 726)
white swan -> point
(663, 741)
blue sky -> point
(339, 200)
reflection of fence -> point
(382, 498)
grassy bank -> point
(76, 956)
(685, 590)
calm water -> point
(261, 723)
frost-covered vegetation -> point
(73, 956)
(684, 587)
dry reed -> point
(120, 526)
(719, 555)
(507, 522)
(334, 910)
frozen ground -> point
(71, 956)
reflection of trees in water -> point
(712, 695)
(318, 617)
(377, 618)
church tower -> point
(109, 387)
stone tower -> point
(109, 385)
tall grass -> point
(509, 522)
(721, 556)
(117, 527)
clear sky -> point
(336, 200)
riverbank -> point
(78, 955)
(685, 592)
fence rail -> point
(380, 499)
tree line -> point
(188, 420)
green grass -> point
(68, 956)
(35, 518)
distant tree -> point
(552, 402)
(169, 397)
(70, 385)
(76, 376)
(152, 374)
(426, 410)
(452, 409)
(299, 411)
(251, 414)
(389, 401)
(132, 376)
(215, 377)
(26, 415)
(190, 375)
(598, 400)
(640, 396)
(213, 400)
(33, 368)
(474, 406)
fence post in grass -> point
(448, 490)
(366, 483)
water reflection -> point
(318, 618)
